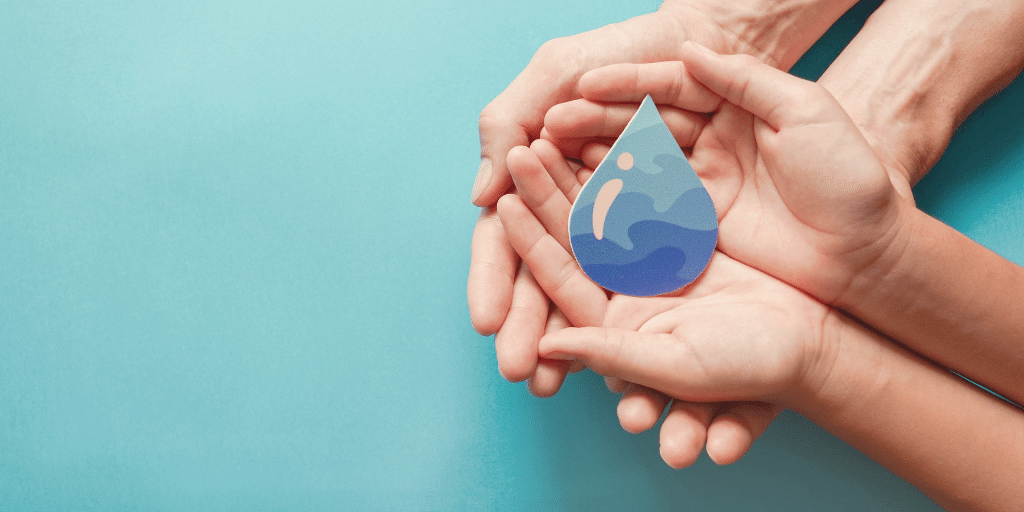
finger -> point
(583, 175)
(516, 340)
(640, 408)
(556, 321)
(583, 119)
(569, 148)
(550, 372)
(735, 429)
(667, 82)
(544, 134)
(548, 378)
(656, 360)
(562, 171)
(499, 132)
(582, 301)
(574, 144)
(492, 268)
(574, 163)
(592, 154)
(573, 147)
(540, 193)
(684, 432)
(615, 384)
(772, 95)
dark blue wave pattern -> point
(664, 257)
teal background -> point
(233, 246)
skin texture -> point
(516, 116)
(501, 301)
(944, 296)
(770, 209)
(908, 85)
(905, 85)
(799, 193)
(730, 427)
(738, 334)
(885, 401)
(846, 236)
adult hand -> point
(546, 186)
(773, 212)
(515, 118)
(775, 32)
(735, 334)
(799, 193)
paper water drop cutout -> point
(644, 224)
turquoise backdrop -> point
(233, 247)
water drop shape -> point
(644, 224)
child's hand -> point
(745, 335)
(798, 191)
(546, 187)
(515, 117)
(741, 181)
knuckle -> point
(559, 55)
(738, 90)
(696, 128)
(563, 276)
(676, 87)
(490, 267)
(552, 49)
(615, 340)
(549, 47)
(490, 117)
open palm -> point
(730, 295)
(798, 191)
(744, 333)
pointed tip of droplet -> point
(646, 115)
(638, 241)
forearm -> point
(777, 32)
(917, 69)
(956, 443)
(949, 299)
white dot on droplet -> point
(625, 161)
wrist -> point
(840, 378)
(909, 85)
(907, 123)
(776, 32)
(916, 419)
(945, 297)
(881, 273)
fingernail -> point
(483, 177)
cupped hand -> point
(499, 301)
(735, 334)
(536, 221)
(799, 193)
(516, 116)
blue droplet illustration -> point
(644, 224)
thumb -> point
(657, 360)
(780, 99)
(499, 133)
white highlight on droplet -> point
(609, 191)
(625, 161)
